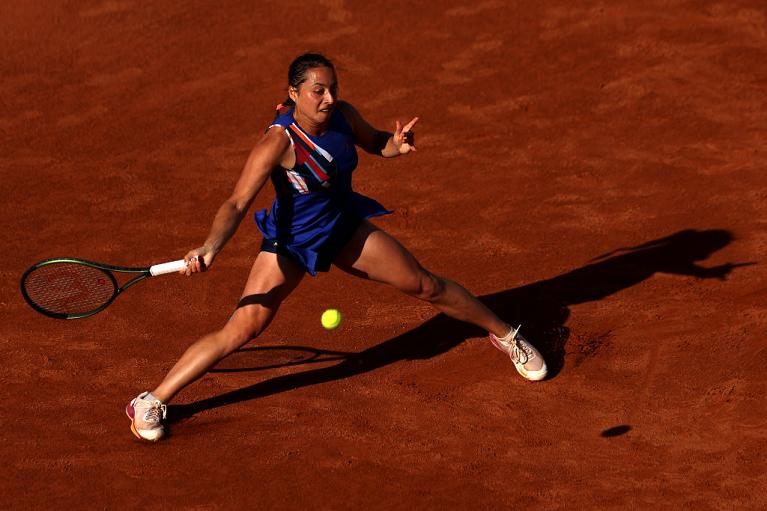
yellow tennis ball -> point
(331, 318)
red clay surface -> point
(594, 172)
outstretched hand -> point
(403, 137)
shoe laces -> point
(152, 414)
(520, 351)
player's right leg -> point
(272, 278)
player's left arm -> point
(374, 141)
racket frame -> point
(107, 269)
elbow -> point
(238, 205)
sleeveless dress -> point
(315, 211)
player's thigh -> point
(376, 255)
(272, 278)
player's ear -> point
(293, 93)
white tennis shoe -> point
(527, 360)
(146, 417)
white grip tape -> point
(171, 267)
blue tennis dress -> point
(315, 211)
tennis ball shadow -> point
(616, 431)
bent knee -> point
(244, 325)
(230, 340)
(426, 286)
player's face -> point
(316, 96)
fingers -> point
(399, 129)
(409, 125)
(403, 137)
(195, 262)
(191, 261)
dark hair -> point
(297, 72)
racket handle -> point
(171, 267)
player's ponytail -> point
(283, 107)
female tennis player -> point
(316, 220)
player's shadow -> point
(542, 307)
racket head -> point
(68, 288)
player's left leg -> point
(375, 255)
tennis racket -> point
(68, 288)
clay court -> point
(593, 170)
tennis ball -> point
(331, 318)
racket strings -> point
(69, 288)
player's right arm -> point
(265, 156)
